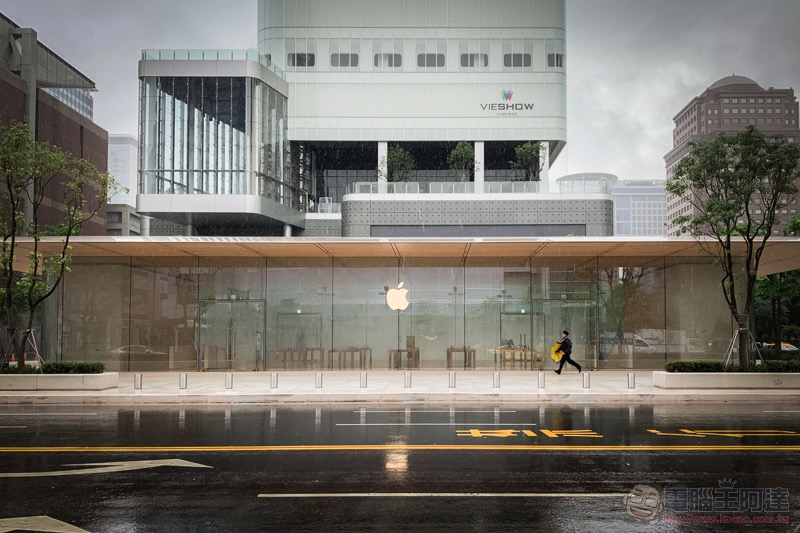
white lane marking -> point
(102, 468)
(37, 523)
(13, 427)
(471, 424)
(782, 411)
(448, 495)
(48, 414)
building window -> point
(301, 60)
(769, 111)
(761, 110)
(778, 110)
(777, 100)
(726, 111)
(726, 101)
(517, 60)
(726, 121)
(734, 100)
(474, 60)
(114, 217)
(769, 121)
(744, 111)
(752, 110)
(752, 100)
(769, 100)
(555, 60)
(389, 60)
(735, 111)
(430, 60)
(752, 121)
(344, 60)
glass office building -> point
(213, 141)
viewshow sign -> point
(507, 107)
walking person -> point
(566, 349)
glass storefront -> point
(301, 313)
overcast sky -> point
(631, 64)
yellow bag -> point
(556, 353)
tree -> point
(792, 229)
(399, 164)
(726, 179)
(28, 168)
(462, 160)
(528, 160)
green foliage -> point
(528, 160)
(718, 366)
(28, 168)
(727, 179)
(462, 160)
(26, 369)
(64, 367)
(73, 367)
(399, 164)
(792, 229)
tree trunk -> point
(742, 332)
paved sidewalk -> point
(389, 386)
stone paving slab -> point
(384, 386)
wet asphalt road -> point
(413, 467)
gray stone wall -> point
(499, 218)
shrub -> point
(27, 369)
(72, 367)
(717, 366)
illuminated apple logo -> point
(396, 298)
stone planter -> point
(726, 380)
(41, 382)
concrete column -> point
(287, 230)
(479, 167)
(144, 226)
(383, 167)
(189, 231)
(544, 153)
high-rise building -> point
(29, 73)
(640, 207)
(729, 105)
(296, 138)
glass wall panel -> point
(232, 293)
(434, 321)
(498, 312)
(299, 312)
(363, 324)
(633, 330)
(96, 323)
(162, 315)
(696, 309)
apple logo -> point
(396, 298)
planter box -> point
(726, 380)
(106, 380)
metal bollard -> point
(631, 380)
(137, 381)
(407, 380)
(182, 381)
(452, 380)
(496, 380)
(318, 380)
(273, 380)
(363, 380)
(586, 383)
(541, 380)
(229, 380)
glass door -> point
(231, 334)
